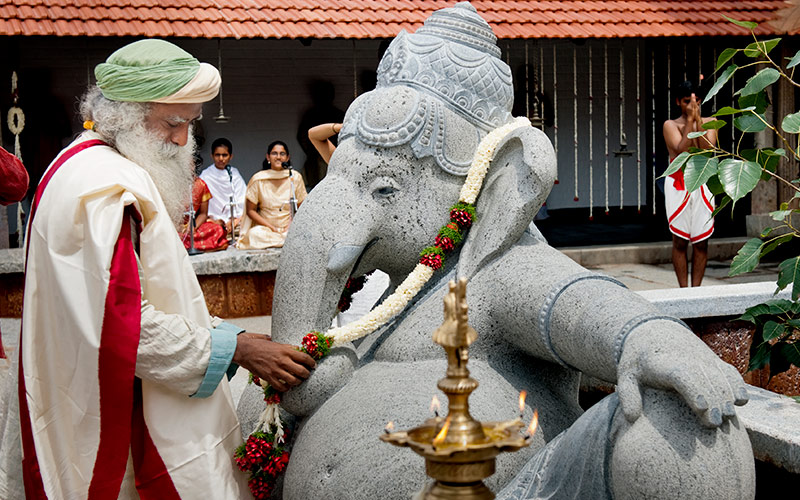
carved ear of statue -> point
(518, 182)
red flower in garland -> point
(434, 261)
(260, 487)
(461, 217)
(444, 243)
(316, 345)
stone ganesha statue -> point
(670, 430)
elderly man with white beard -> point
(120, 389)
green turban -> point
(156, 71)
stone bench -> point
(236, 283)
(772, 420)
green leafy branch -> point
(734, 174)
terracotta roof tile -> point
(379, 18)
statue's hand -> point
(332, 372)
(674, 359)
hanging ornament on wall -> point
(540, 86)
(575, 117)
(555, 109)
(653, 124)
(16, 124)
(16, 118)
(591, 141)
(638, 134)
(623, 142)
(605, 118)
(623, 151)
(221, 117)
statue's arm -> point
(592, 323)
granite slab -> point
(713, 301)
(772, 423)
(232, 261)
(225, 262)
(11, 261)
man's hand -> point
(674, 359)
(282, 365)
(693, 111)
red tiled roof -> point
(379, 18)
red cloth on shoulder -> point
(13, 178)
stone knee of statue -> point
(668, 453)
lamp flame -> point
(439, 439)
(522, 396)
(389, 427)
(533, 425)
(435, 405)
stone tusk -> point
(342, 257)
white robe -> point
(72, 242)
(222, 187)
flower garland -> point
(262, 455)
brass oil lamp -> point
(459, 451)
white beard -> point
(170, 166)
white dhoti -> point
(689, 214)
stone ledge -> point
(771, 421)
(11, 261)
(236, 261)
(226, 262)
(713, 301)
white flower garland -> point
(16, 120)
(414, 282)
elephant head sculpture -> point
(404, 151)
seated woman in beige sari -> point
(267, 207)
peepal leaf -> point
(695, 135)
(791, 123)
(676, 164)
(744, 24)
(727, 110)
(758, 101)
(772, 245)
(714, 124)
(755, 49)
(746, 258)
(779, 215)
(759, 358)
(738, 177)
(751, 313)
(789, 272)
(750, 122)
(794, 62)
(772, 330)
(726, 56)
(721, 81)
(760, 81)
(779, 306)
(698, 170)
